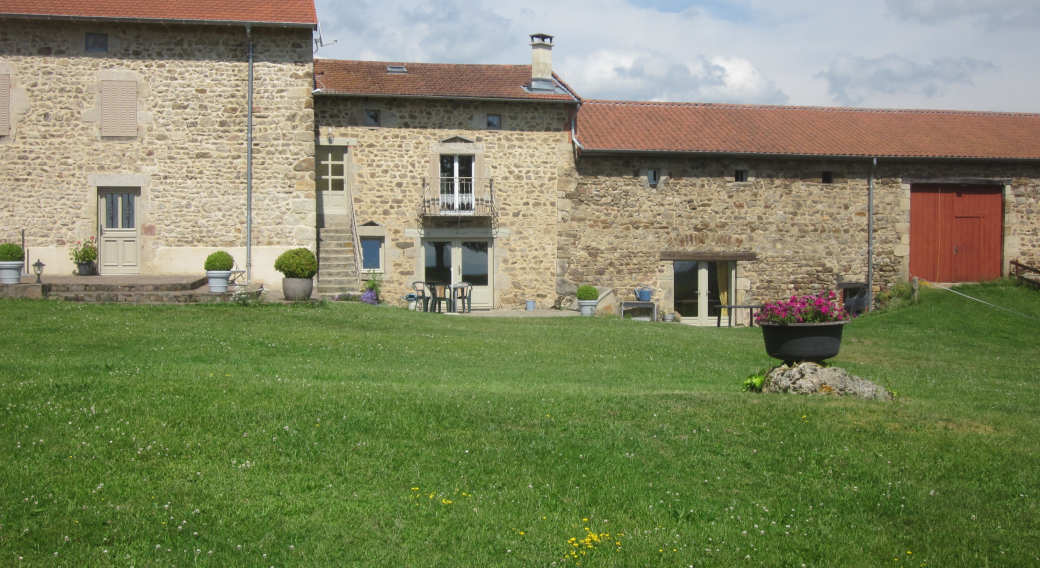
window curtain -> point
(722, 275)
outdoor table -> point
(626, 304)
(731, 307)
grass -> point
(348, 435)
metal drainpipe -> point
(249, 163)
(574, 129)
(870, 239)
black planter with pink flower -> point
(798, 342)
(804, 328)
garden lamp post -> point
(38, 270)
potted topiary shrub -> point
(299, 267)
(218, 270)
(588, 297)
(11, 259)
(805, 328)
(84, 254)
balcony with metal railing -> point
(458, 197)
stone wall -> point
(529, 161)
(613, 225)
(189, 157)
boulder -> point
(811, 378)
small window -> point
(739, 175)
(827, 177)
(494, 122)
(372, 254)
(653, 177)
(399, 69)
(97, 42)
(371, 118)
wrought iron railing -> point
(458, 197)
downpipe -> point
(249, 164)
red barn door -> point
(955, 232)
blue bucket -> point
(644, 294)
(530, 305)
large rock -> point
(811, 378)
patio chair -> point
(422, 299)
(463, 292)
(440, 296)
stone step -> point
(77, 288)
(350, 283)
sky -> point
(923, 54)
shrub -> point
(10, 252)
(297, 263)
(374, 284)
(369, 297)
(219, 260)
(803, 309)
(588, 293)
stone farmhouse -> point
(133, 124)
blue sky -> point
(939, 54)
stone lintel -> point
(119, 180)
(706, 255)
(959, 180)
(456, 233)
(326, 141)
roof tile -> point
(430, 80)
(291, 12)
(725, 129)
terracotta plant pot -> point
(297, 289)
(798, 342)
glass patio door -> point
(457, 183)
(700, 287)
(462, 260)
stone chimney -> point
(541, 63)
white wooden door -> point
(119, 247)
(331, 179)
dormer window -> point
(371, 118)
(400, 69)
(494, 122)
(97, 42)
(653, 177)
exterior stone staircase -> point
(337, 268)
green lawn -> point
(349, 435)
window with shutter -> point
(5, 105)
(118, 108)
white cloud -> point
(902, 53)
(853, 79)
(993, 12)
(654, 76)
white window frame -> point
(382, 255)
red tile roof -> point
(282, 12)
(431, 80)
(813, 131)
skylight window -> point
(401, 69)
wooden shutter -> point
(118, 108)
(5, 105)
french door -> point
(700, 287)
(119, 247)
(457, 183)
(330, 179)
(462, 260)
